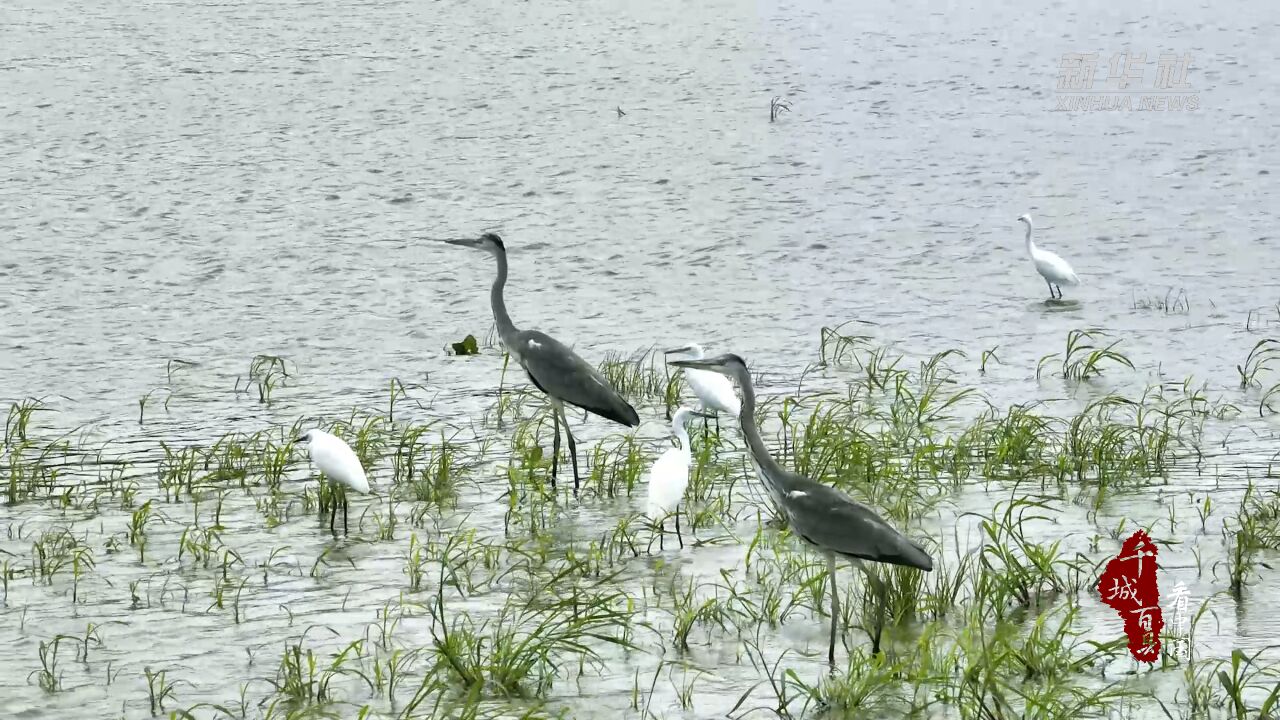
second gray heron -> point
(821, 515)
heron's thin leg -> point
(555, 447)
(882, 594)
(678, 537)
(662, 535)
(835, 608)
(573, 452)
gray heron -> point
(821, 515)
(552, 367)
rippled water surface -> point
(214, 181)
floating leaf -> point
(468, 346)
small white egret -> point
(669, 477)
(337, 462)
(713, 390)
(1052, 268)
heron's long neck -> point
(1031, 247)
(747, 418)
(506, 330)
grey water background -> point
(211, 181)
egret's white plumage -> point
(669, 476)
(1051, 267)
(713, 390)
(337, 462)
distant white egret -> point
(337, 462)
(1052, 268)
(713, 390)
(669, 477)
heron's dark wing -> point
(834, 521)
(560, 373)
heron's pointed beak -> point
(463, 242)
(698, 364)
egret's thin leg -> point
(678, 537)
(1051, 295)
(835, 608)
(345, 529)
(717, 425)
(333, 508)
(1059, 287)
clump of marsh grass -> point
(1171, 303)
(424, 471)
(1261, 356)
(1255, 527)
(691, 609)
(266, 373)
(399, 390)
(835, 347)
(637, 377)
(1012, 569)
(517, 652)
(777, 106)
(159, 689)
(142, 401)
(1243, 678)
(1083, 359)
(18, 420)
(616, 467)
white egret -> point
(713, 390)
(669, 477)
(337, 462)
(1051, 267)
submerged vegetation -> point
(469, 588)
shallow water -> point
(209, 182)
